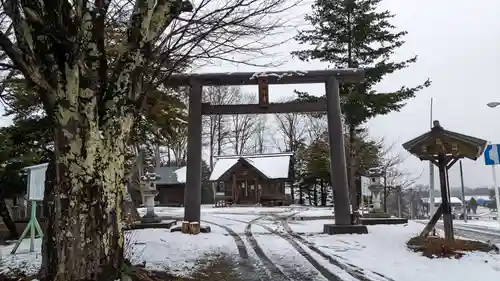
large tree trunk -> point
(84, 238)
(91, 100)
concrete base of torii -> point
(203, 229)
(333, 229)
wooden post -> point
(185, 227)
(445, 204)
(194, 228)
(233, 186)
(432, 223)
(192, 196)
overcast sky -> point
(458, 44)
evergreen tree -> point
(355, 34)
(313, 163)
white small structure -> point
(36, 190)
(375, 187)
(149, 192)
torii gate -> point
(331, 79)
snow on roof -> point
(437, 200)
(273, 166)
(181, 174)
(171, 175)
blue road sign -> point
(491, 156)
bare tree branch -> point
(291, 127)
(242, 125)
(216, 127)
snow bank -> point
(383, 250)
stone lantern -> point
(375, 187)
(149, 192)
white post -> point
(495, 188)
(464, 207)
(432, 207)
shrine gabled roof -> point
(273, 166)
(467, 146)
(171, 175)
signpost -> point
(36, 189)
(492, 158)
(263, 91)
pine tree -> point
(355, 34)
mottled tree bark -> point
(61, 51)
(85, 237)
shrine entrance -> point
(331, 79)
(246, 192)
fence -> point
(21, 212)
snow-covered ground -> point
(493, 224)
(316, 212)
(259, 237)
(383, 251)
(178, 212)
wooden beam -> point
(209, 109)
(432, 223)
(452, 162)
(274, 77)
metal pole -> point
(431, 178)
(464, 207)
(497, 197)
(192, 194)
(338, 171)
(32, 223)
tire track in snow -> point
(320, 268)
(242, 249)
(353, 270)
(276, 273)
(274, 270)
(247, 269)
(325, 272)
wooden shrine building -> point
(171, 185)
(252, 179)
